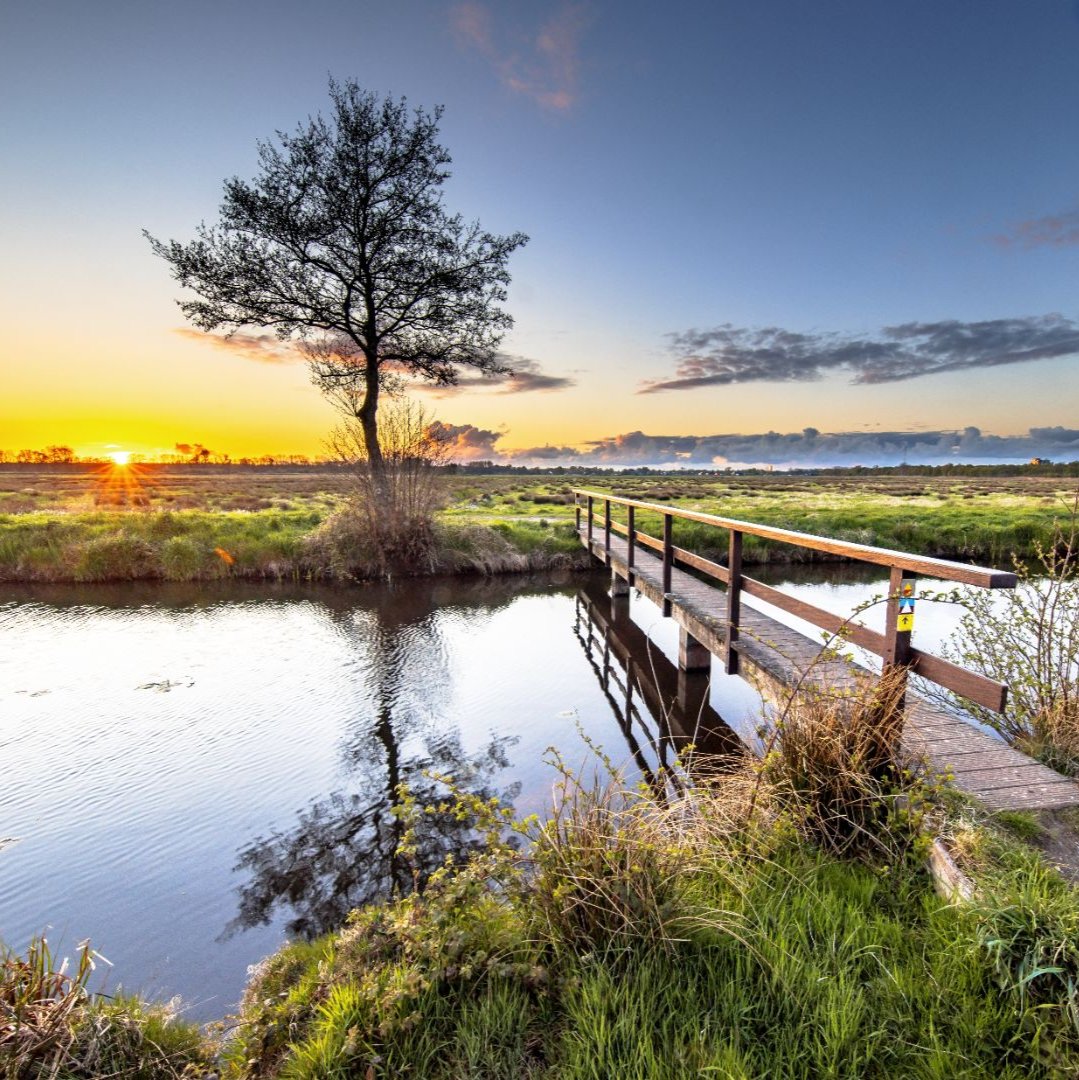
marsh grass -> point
(267, 518)
(53, 1028)
(194, 545)
(835, 762)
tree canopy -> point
(342, 243)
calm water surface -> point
(192, 774)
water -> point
(190, 774)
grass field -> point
(95, 522)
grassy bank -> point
(772, 962)
(641, 940)
(194, 545)
(775, 920)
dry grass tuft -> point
(53, 1028)
(836, 765)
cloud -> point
(524, 376)
(541, 454)
(466, 442)
(808, 448)
(1053, 230)
(265, 348)
(545, 67)
(730, 354)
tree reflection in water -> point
(342, 852)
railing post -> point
(577, 511)
(589, 524)
(631, 575)
(734, 599)
(607, 531)
(900, 623)
(668, 562)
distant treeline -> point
(63, 459)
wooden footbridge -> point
(715, 621)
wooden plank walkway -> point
(1000, 777)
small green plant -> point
(1029, 639)
(1030, 933)
(1022, 824)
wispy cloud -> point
(543, 65)
(1053, 230)
(730, 354)
(265, 348)
(525, 376)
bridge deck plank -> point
(999, 776)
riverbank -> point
(193, 545)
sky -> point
(761, 231)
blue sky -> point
(825, 172)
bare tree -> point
(342, 242)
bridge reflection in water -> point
(661, 708)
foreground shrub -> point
(393, 502)
(1029, 638)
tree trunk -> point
(385, 734)
(368, 417)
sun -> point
(120, 457)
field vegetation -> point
(72, 522)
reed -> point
(53, 1028)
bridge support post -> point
(619, 587)
(692, 655)
(734, 600)
(691, 702)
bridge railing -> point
(893, 646)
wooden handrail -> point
(946, 570)
(893, 646)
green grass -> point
(986, 519)
(637, 937)
(835, 971)
(51, 1026)
(54, 537)
(183, 545)
(200, 545)
(643, 941)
